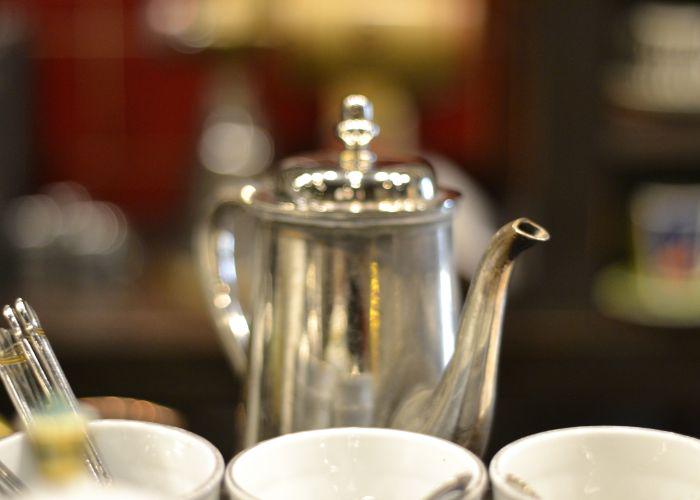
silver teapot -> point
(354, 317)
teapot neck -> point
(357, 159)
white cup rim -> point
(207, 486)
(477, 484)
(498, 476)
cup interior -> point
(158, 458)
(351, 463)
(599, 463)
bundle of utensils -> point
(36, 384)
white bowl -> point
(599, 463)
(166, 460)
(351, 463)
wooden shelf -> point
(638, 143)
(584, 334)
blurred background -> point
(117, 117)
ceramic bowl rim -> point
(497, 476)
(206, 487)
(478, 483)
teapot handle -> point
(214, 252)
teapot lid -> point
(355, 183)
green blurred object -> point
(622, 293)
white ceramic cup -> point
(168, 461)
(598, 463)
(352, 463)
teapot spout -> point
(460, 408)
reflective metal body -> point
(346, 324)
(355, 312)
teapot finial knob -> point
(356, 128)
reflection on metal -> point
(375, 321)
(356, 130)
(354, 318)
(324, 187)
